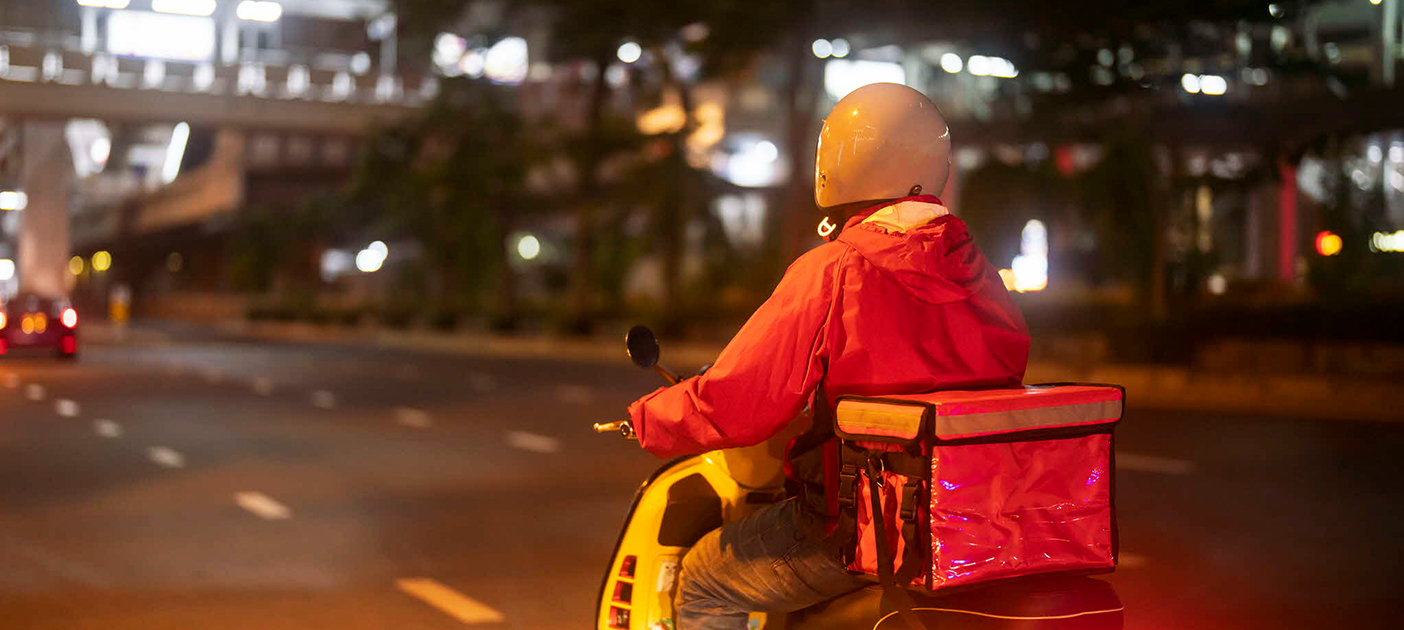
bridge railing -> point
(326, 77)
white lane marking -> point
(482, 382)
(166, 456)
(263, 386)
(412, 417)
(575, 394)
(262, 505)
(12, 380)
(107, 428)
(323, 399)
(66, 408)
(533, 442)
(213, 376)
(449, 601)
(1153, 463)
(1127, 560)
(34, 391)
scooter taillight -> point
(618, 617)
(627, 566)
(624, 592)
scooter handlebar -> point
(624, 427)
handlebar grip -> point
(624, 427)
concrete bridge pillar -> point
(47, 178)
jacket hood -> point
(918, 244)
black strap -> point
(896, 594)
(910, 510)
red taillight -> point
(3, 320)
(68, 345)
(618, 617)
(70, 317)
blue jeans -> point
(766, 562)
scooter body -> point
(683, 500)
(690, 496)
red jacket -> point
(876, 311)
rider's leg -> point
(763, 562)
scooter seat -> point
(1041, 603)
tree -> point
(452, 179)
(1127, 201)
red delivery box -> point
(982, 485)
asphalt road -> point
(221, 484)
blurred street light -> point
(822, 48)
(1190, 82)
(259, 11)
(1328, 243)
(506, 61)
(1275, 10)
(198, 8)
(1217, 284)
(1030, 267)
(755, 164)
(952, 63)
(1213, 84)
(1392, 242)
(528, 247)
(105, 4)
(175, 152)
(13, 200)
(102, 261)
(75, 265)
(372, 257)
(841, 47)
(160, 36)
(982, 66)
(7, 269)
(629, 52)
(842, 76)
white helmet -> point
(882, 141)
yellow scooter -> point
(690, 496)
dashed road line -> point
(107, 428)
(449, 601)
(575, 394)
(262, 505)
(35, 392)
(1153, 463)
(533, 442)
(263, 386)
(165, 456)
(66, 408)
(323, 399)
(412, 417)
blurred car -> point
(32, 321)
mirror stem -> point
(667, 375)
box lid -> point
(950, 415)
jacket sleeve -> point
(760, 381)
